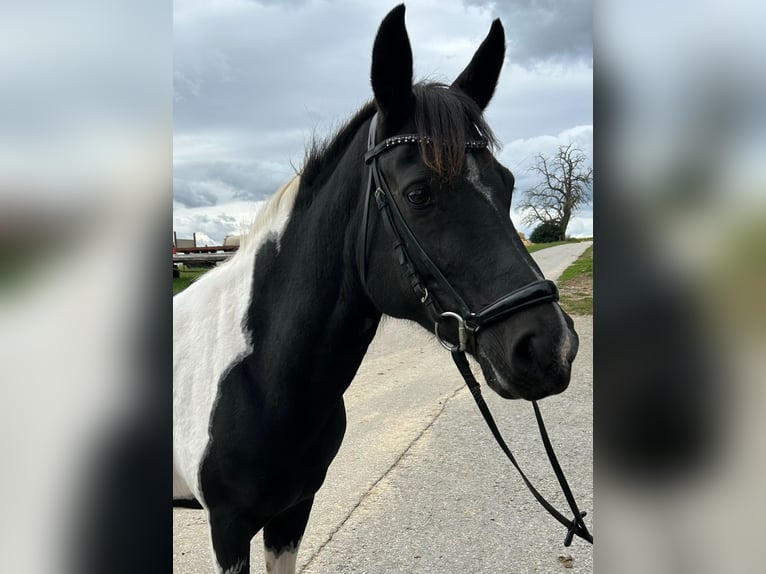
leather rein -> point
(468, 322)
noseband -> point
(468, 322)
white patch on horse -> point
(474, 177)
(499, 379)
(282, 563)
(209, 337)
(238, 568)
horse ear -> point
(479, 79)
(391, 73)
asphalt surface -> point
(419, 484)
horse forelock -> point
(448, 118)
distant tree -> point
(565, 183)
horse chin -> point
(509, 388)
(496, 381)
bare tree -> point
(565, 184)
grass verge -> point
(576, 285)
(186, 278)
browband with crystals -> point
(414, 138)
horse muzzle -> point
(527, 363)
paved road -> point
(419, 484)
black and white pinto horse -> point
(266, 344)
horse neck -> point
(307, 294)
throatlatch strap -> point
(576, 526)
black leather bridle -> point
(468, 322)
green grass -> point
(576, 285)
(186, 278)
(583, 266)
(734, 282)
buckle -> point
(462, 332)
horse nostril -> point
(523, 350)
(536, 350)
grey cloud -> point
(249, 181)
(519, 112)
(539, 31)
(252, 84)
(260, 71)
(285, 71)
(188, 194)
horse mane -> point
(448, 117)
(324, 154)
(278, 208)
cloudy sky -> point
(253, 80)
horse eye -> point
(418, 196)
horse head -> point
(445, 199)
